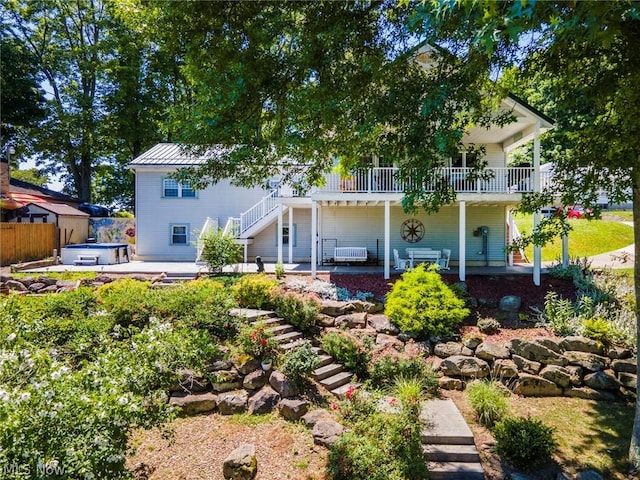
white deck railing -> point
(260, 210)
(209, 224)
(384, 180)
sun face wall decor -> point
(412, 230)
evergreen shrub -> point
(524, 442)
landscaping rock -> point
(510, 304)
(49, 289)
(461, 366)
(264, 401)
(334, 308)
(628, 380)
(601, 381)
(325, 321)
(417, 349)
(292, 409)
(582, 344)
(367, 307)
(588, 361)
(504, 369)
(444, 350)
(382, 324)
(558, 375)
(626, 365)
(217, 365)
(194, 403)
(526, 366)
(490, 351)
(281, 384)
(241, 464)
(352, 320)
(619, 353)
(314, 416)
(536, 352)
(232, 402)
(576, 373)
(36, 286)
(226, 380)
(589, 393)
(383, 340)
(534, 386)
(472, 341)
(550, 343)
(448, 383)
(327, 432)
(190, 382)
(67, 285)
(255, 380)
(16, 286)
(247, 365)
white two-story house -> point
(363, 210)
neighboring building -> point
(362, 211)
(72, 225)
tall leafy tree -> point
(588, 52)
(289, 87)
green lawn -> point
(588, 237)
(626, 215)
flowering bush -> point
(298, 310)
(68, 404)
(352, 352)
(257, 341)
(254, 291)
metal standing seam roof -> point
(174, 154)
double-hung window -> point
(173, 189)
(179, 234)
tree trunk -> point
(634, 449)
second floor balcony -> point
(463, 180)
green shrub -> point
(300, 311)
(524, 442)
(254, 291)
(279, 270)
(489, 326)
(257, 341)
(488, 401)
(422, 304)
(298, 363)
(351, 352)
(128, 301)
(597, 329)
(386, 369)
(219, 250)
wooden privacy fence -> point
(20, 242)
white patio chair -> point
(399, 263)
(444, 259)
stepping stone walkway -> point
(448, 443)
(447, 439)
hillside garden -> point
(85, 372)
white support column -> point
(246, 253)
(565, 251)
(462, 242)
(314, 239)
(511, 224)
(319, 237)
(291, 236)
(537, 251)
(280, 223)
(387, 239)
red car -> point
(577, 211)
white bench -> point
(423, 255)
(86, 260)
(350, 254)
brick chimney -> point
(4, 176)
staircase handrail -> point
(516, 236)
(209, 224)
(259, 211)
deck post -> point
(387, 239)
(314, 238)
(462, 242)
(291, 234)
(510, 220)
(537, 251)
(280, 222)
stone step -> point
(268, 322)
(340, 391)
(455, 471)
(337, 380)
(280, 329)
(445, 424)
(285, 347)
(251, 314)
(451, 453)
(324, 359)
(287, 337)
(326, 371)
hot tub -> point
(95, 254)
